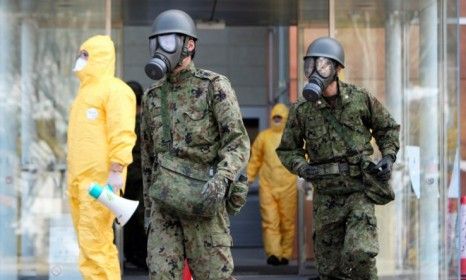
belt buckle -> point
(331, 169)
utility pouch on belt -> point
(178, 184)
(379, 192)
(237, 195)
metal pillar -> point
(393, 62)
(270, 66)
(301, 230)
(108, 17)
(282, 64)
(394, 101)
(429, 132)
(8, 136)
(28, 40)
(28, 31)
(331, 18)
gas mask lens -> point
(324, 67)
(166, 42)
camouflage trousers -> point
(205, 243)
(345, 237)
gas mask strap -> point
(184, 50)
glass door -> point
(406, 54)
(39, 43)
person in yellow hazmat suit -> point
(100, 140)
(277, 190)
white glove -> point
(115, 180)
(306, 186)
(301, 182)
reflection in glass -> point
(405, 53)
(37, 52)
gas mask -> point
(320, 71)
(167, 51)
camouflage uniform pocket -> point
(361, 241)
(219, 262)
(379, 192)
(221, 240)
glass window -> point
(40, 40)
(406, 54)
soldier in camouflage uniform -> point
(206, 127)
(345, 226)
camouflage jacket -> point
(357, 110)
(134, 169)
(206, 123)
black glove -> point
(383, 169)
(308, 172)
(237, 195)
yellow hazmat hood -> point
(101, 62)
(282, 111)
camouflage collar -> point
(183, 74)
(344, 95)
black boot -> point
(273, 260)
(284, 261)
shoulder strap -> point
(211, 93)
(340, 129)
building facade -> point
(407, 53)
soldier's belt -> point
(336, 168)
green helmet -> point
(327, 47)
(174, 21)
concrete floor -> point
(250, 264)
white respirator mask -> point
(80, 64)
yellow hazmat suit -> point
(277, 191)
(100, 132)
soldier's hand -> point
(383, 169)
(237, 196)
(308, 172)
(215, 188)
